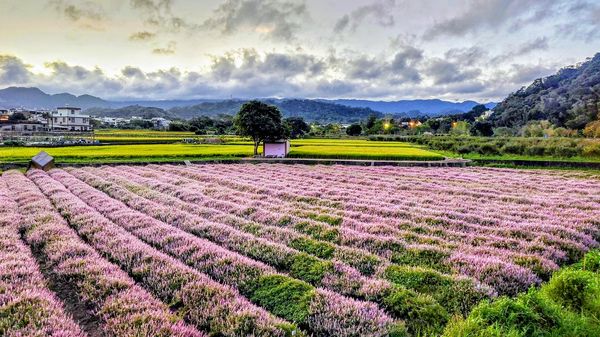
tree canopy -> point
(260, 122)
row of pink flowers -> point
(209, 305)
(222, 265)
(22, 286)
(111, 296)
(560, 232)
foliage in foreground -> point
(568, 305)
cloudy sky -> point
(374, 49)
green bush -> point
(318, 231)
(590, 262)
(422, 314)
(318, 248)
(457, 296)
(488, 150)
(513, 148)
(565, 151)
(535, 150)
(527, 315)
(283, 296)
(309, 268)
(422, 258)
(576, 290)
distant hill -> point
(34, 98)
(570, 98)
(131, 111)
(310, 110)
(414, 108)
(323, 111)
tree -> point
(354, 130)
(371, 121)
(17, 116)
(296, 126)
(484, 129)
(259, 121)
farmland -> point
(277, 250)
(231, 148)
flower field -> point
(279, 250)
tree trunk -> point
(256, 147)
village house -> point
(69, 119)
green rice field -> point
(233, 148)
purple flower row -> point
(205, 303)
(110, 295)
(525, 243)
(222, 265)
(34, 309)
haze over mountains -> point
(343, 110)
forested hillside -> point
(570, 99)
(310, 110)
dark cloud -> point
(142, 36)
(586, 25)
(272, 65)
(380, 11)
(247, 73)
(492, 14)
(168, 50)
(274, 19)
(445, 72)
(523, 74)
(13, 71)
(528, 47)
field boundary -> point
(448, 162)
(537, 163)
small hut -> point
(42, 161)
(276, 148)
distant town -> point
(63, 125)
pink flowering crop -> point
(281, 250)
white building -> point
(69, 119)
(276, 148)
(160, 123)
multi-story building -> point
(69, 119)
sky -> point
(363, 49)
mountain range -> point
(324, 111)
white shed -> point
(276, 148)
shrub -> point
(284, 297)
(513, 148)
(309, 268)
(424, 257)
(590, 262)
(576, 290)
(318, 231)
(565, 151)
(457, 296)
(536, 150)
(318, 248)
(422, 314)
(488, 149)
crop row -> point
(110, 297)
(294, 300)
(504, 277)
(457, 295)
(27, 306)
(535, 250)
